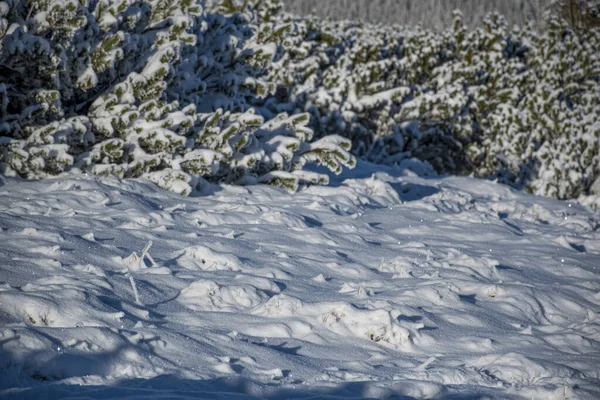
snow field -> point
(385, 284)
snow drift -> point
(383, 285)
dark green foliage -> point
(159, 89)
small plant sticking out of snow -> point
(377, 336)
(135, 263)
(492, 291)
(333, 315)
(31, 319)
(45, 320)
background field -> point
(431, 13)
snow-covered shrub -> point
(159, 89)
(350, 78)
(497, 101)
(375, 85)
(166, 90)
(544, 131)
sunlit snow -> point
(385, 284)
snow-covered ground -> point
(383, 285)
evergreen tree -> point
(513, 104)
(159, 89)
(243, 92)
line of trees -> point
(239, 91)
(431, 14)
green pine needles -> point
(159, 89)
(510, 103)
(242, 92)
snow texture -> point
(387, 284)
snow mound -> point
(203, 258)
(207, 295)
